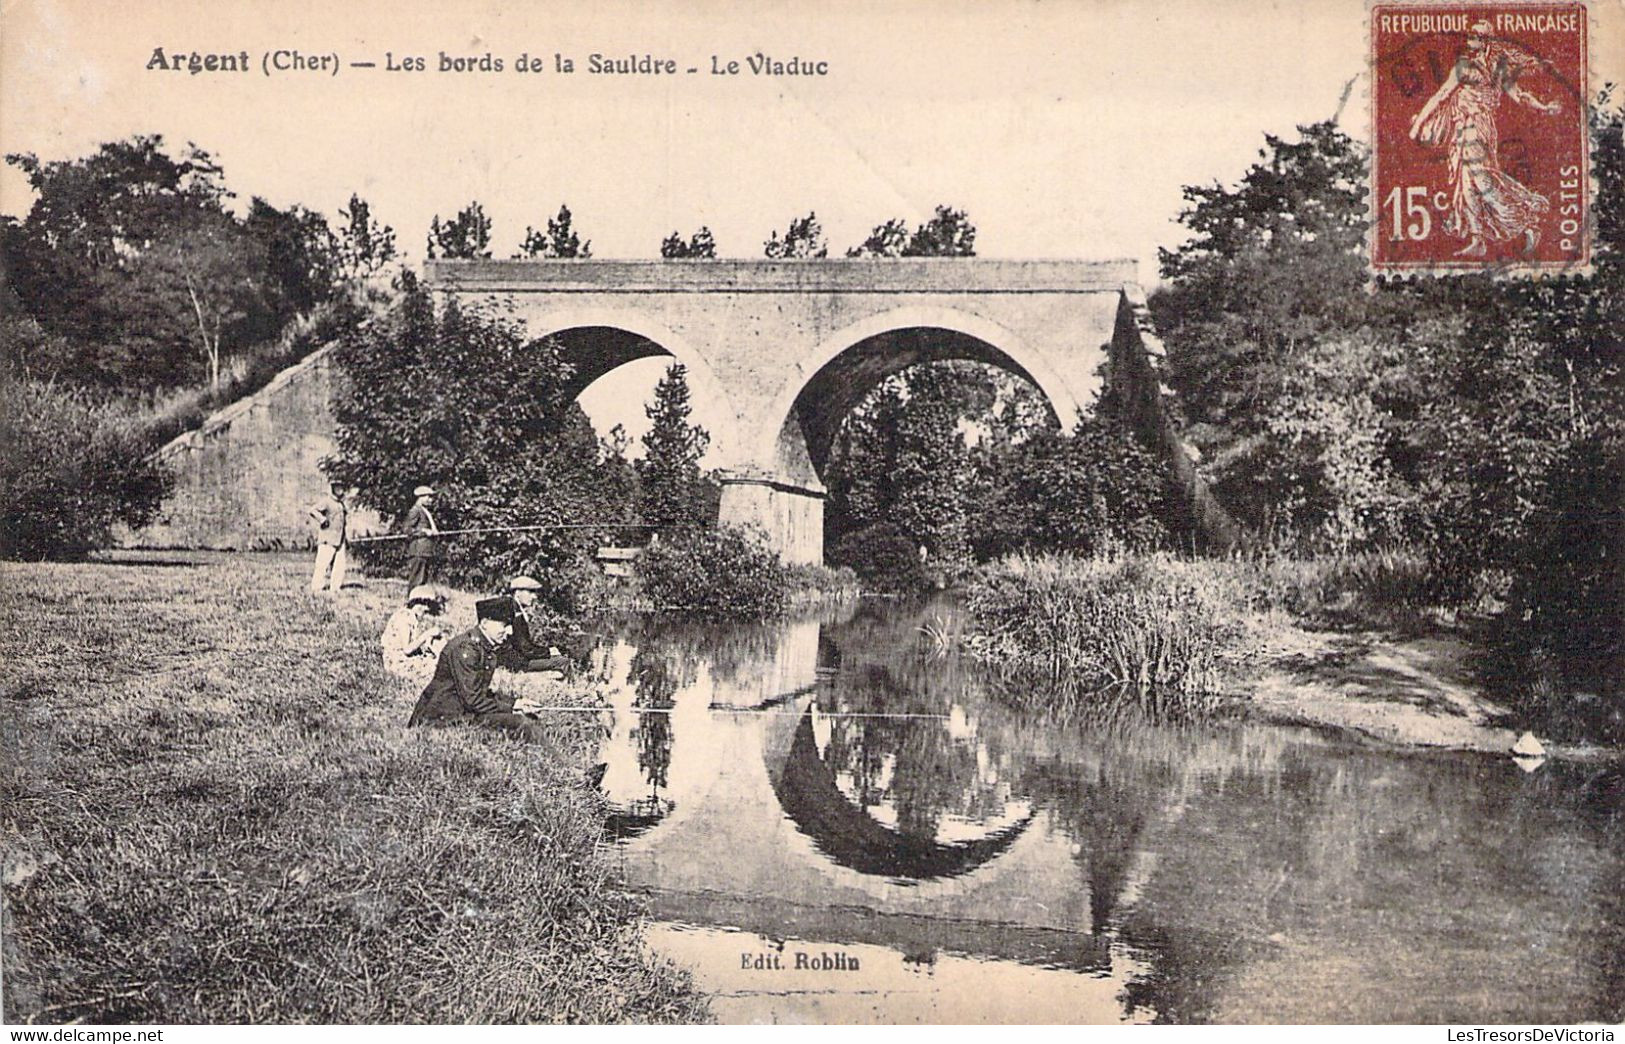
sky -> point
(1064, 129)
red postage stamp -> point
(1479, 151)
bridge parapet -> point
(950, 275)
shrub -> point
(883, 557)
(1562, 636)
(71, 471)
(722, 572)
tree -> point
(700, 245)
(466, 236)
(901, 459)
(674, 490)
(465, 401)
(803, 239)
(209, 273)
(1271, 278)
(561, 240)
(365, 246)
(949, 233)
(887, 240)
(79, 261)
(301, 255)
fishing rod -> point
(520, 529)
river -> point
(833, 819)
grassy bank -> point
(1182, 630)
(212, 812)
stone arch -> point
(617, 337)
(971, 337)
(999, 346)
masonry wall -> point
(244, 479)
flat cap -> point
(423, 491)
(494, 609)
(524, 583)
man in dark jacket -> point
(420, 550)
(460, 691)
(531, 648)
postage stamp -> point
(1479, 151)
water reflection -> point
(837, 785)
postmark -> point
(1480, 157)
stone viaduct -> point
(778, 352)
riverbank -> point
(1287, 642)
(213, 812)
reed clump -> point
(1151, 625)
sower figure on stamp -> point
(460, 691)
(420, 550)
(327, 527)
(1487, 205)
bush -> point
(722, 572)
(1562, 636)
(71, 471)
(883, 557)
(1086, 492)
(1388, 587)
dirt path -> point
(1409, 691)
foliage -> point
(302, 256)
(1152, 625)
(1085, 491)
(674, 490)
(1272, 267)
(883, 557)
(701, 245)
(466, 236)
(130, 260)
(71, 471)
(949, 233)
(464, 401)
(901, 457)
(803, 239)
(366, 246)
(560, 241)
(720, 572)
(1564, 627)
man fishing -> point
(460, 691)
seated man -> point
(460, 691)
(414, 635)
(528, 649)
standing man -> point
(420, 550)
(327, 521)
(460, 691)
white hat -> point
(524, 583)
(423, 491)
(422, 593)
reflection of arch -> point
(807, 791)
(970, 337)
(600, 340)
